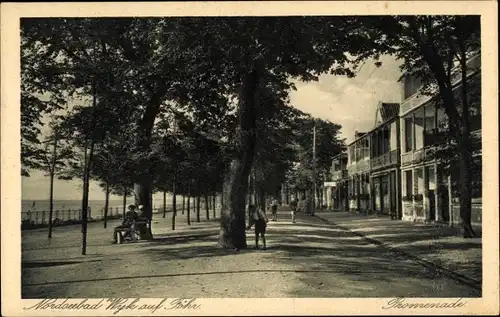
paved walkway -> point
(310, 258)
(434, 245)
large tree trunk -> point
(51, 207)
(106, 206)
(249, 190)
(232, 231)
(465, 156)
(142, 192)
(143, 183)
(465, 193)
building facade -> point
(358, 170)
(397, 168)
(426, 189)
(339, 192)
(385, 170)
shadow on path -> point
(30, 264)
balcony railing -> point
(387, 159)
(406, 158)
(417, 156)
(336, 175)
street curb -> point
(428, 264)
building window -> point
(408, 134)
(412, 85)
(431, 177)
(418, 128)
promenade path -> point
(311, 258)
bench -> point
(126, 233)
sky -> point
(350, 102)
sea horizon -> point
(75, 204)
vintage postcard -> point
(249, 158)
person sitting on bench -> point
(128, 226)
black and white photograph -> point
(186, 157)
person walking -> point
(259, 220)
(274, 209)
(293, 209)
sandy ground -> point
(310, 258)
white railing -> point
(358, 167)
(417, 156)
(406, 158)
(386, 159)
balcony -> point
(337, 175)
(385, 160)
(417, 156)
(359, 167)
(413, 102)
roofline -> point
(379, 104)
(384, 123)
(351, 143)
(376, 128)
